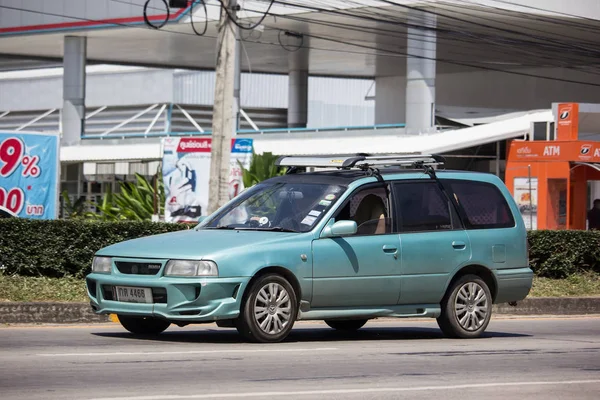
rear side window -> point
(423, 207)
(482, 205)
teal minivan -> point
(361, 238)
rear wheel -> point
(143, 325)
(269, 310)
(466, 308)
(346, 324)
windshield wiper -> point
(278, 229)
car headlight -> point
(191, 268)
(102, 265)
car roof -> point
(346, 177)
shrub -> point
(559, 254)
(60, 248)
(65, 247)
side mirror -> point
(340, 228)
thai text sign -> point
(29, 173)
(577, 151)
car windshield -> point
(279, 206)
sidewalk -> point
(70, 313)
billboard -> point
(29, 174)
(526, 197)
(186, 172)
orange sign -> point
(567, 124)
(554, 151)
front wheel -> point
(269, 310)
(143, 325)
(466, 308)
(346, 325)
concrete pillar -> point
(420, 72)
(390, 99)
(298, 88)
(73, 111)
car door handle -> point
(390, 249)
(459, 245)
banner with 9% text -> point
(29, 174)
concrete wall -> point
(332, 102)
(490, 90)
(143, 87)
(31, 92)
(503, 90)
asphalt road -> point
(550, 358)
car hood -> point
(192, 244)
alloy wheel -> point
(272, 308)
(471, 306)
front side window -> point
(278, 206)
(369, 209)
(483, 206)
(423, 207)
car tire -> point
(269, 310)
(143, 325)
(346, 324)
(466, 308)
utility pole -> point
(224, 109)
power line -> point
(105, 22)
(563, 46)
(462, 63)
(444, 60)
(241, 26)
(378, 51)
(395, 34)
(501, 40)
(528, 52)
(147, 20)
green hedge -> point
(65, 248)
(559, 254)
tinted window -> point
(423, 207)
(369, 208)
(482, 205)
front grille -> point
(138, 268)
(159, 295)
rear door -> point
(434, 242)
(490, 224)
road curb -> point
(551, 306)
(48, 313)
(69, 313)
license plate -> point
(133, 294)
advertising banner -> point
(186, 172)
(29, 174)
(576, 151)
(526, 192)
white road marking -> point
(160, 353)
(346, 391)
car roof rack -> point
(360, 161)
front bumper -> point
(175, 299)
(513, 284)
